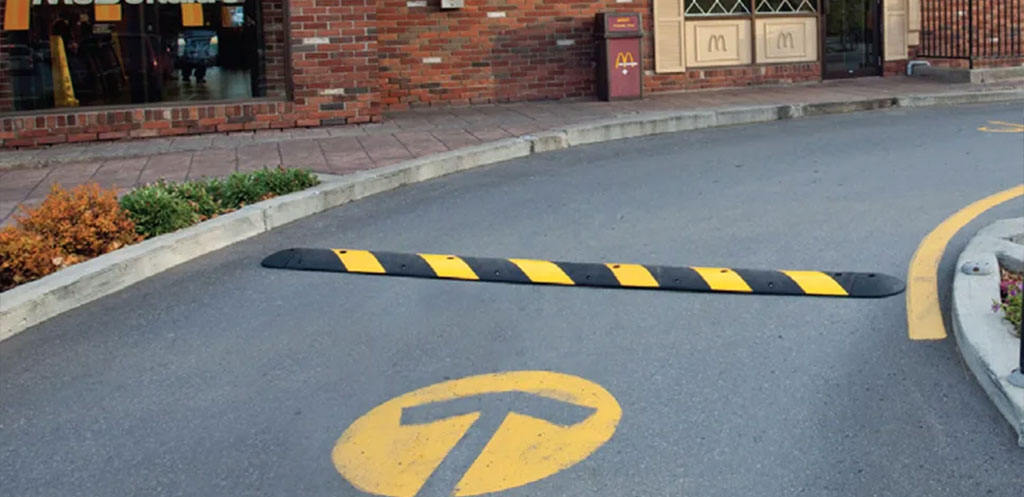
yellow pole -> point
(63, 88)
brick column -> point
(334, 64)
(274, 53)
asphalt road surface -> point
(222, 378)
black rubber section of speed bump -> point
(611, 275)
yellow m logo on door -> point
(716, 43)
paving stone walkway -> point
(26, 175)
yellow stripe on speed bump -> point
(359, 261)
(542, 271)
(816, 283)
(722, 279)
(633, 275)
(449, 266)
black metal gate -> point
(972, 29)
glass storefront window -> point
(116, 52)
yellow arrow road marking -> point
(392, 451)
(924, 317)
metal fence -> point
(975, 30)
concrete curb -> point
(974, 76)
(983, 336)
(960, 98)
(17, 159)
(30, 304)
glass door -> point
(852, 38)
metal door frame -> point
(878, 40)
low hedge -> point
(72, 226)
(163, 207)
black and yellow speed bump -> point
(605, 275)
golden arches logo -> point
(716, 43)
(786, 40)
(625, 59)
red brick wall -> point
(332, 48)
(721, 77)
(274, 50)
(334, 61)
(484, 59)
(518, 57)
(894, 68)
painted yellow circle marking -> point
(1002, 127)
(540, 423)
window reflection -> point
(94, 55)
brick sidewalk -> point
(405, 135)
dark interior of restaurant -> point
(128, 54)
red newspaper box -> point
(620, 71)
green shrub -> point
(1011, 310)
(163, 207)
(241, 189)
(284, 181)
(199, 198)
(156, 210)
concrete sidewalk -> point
(26, 175)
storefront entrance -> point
(852, 41)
